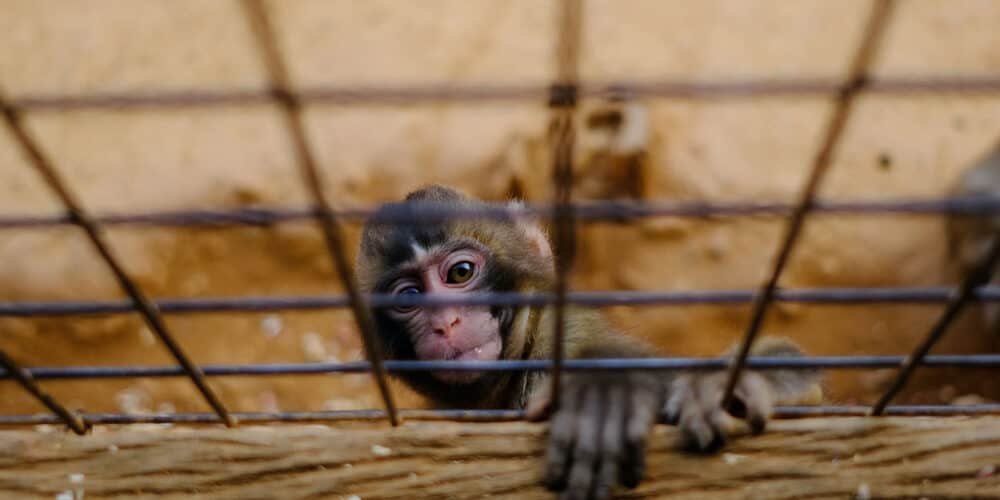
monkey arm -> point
(599, 429)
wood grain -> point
(954, 457)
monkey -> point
(598, 428)
(969, 235)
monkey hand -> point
(598, 431)
(694, 404)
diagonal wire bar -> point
(856, 81)
(977, 277)
(563, 101)
(94, 232)
(27, 381)
(330, 225)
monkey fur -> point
(598, 430)
(969, 235)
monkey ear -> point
(530, 227)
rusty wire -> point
(95, 234)
(978, 276)
(856, 81)
(332, 232)
(473, 93)
(563, 102)
(562, 97)
(27, 381)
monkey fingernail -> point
(737, 408)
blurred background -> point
(141, 159)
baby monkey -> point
(599, 428)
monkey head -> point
(450, 257)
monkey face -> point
(463, 333)
(452, 257)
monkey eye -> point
(461, 272)
(410, 290)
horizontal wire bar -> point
(594, 210)
(759, 363)
(898, 410)
(784, 412)
(431, 93)
(816, 296)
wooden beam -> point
(811, 458)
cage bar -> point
(977, 276)
(95, 234)
(474, 93)
(856, 81)
(591, 211)
(332, 232)
(563, 102)
(589, 364)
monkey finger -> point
(696, 425)
(606, 480)
(641, 416)
(562, 437)
(587, 452)
(722, 425)
(756, 400)
(680, 393)
(612, 442)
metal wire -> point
(463, 415)
(27, 381)
(95, 234)
(609, 364)
(879, 18)
(592, 211)
(562, 97)
(563, 101)
(332, 233)
(978, 276)
(816, 296)
(418, 94)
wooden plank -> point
(954, 457)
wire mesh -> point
(879, 18)
(97, 238)
(562, 97)
(332, 233)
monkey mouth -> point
(489, 351)
(474, 354)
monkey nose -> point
(444, 325)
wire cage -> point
(562, 96)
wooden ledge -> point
(904, 457)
